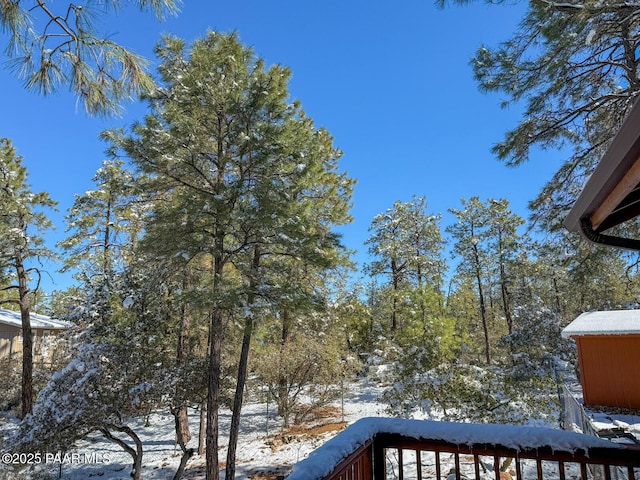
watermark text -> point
(60, 458)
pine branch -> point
(583, 8)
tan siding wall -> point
(610, 370)
(10, 341)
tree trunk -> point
(202, 432)
(183, 435)
(283, 384)
(27, 364)
(186, 455)
(136, 454)
(503, 286)
(27, 339)
(181, 421)
(505, 298)
(213, 396)
(106, 241)
(216, 331)
(483, 308)
(230, 469)
(556, 292)
(394, 300)
(202, 428)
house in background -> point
(44, 328)
(609, 355)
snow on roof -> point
(612, 322)
(9, 317)
(323, 460)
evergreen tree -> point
(350, 307)
(487, 242)
(469, 233)
(473, 393)
(505, 243)
(104, 225)
(123, 367)
(250, 178)
(596, 277)
(22, 222)
(406, 245)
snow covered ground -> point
(264, 453)
(259, 454)
(622, 426)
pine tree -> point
(504, 243)
(469, 234)
(247, 176)
(406, 246)
(487, 243)
(22, 222)
(104, 225)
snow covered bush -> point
(537, 336)
(81, 398)
(473, 393)
(123, 366)
(304, 372)
(517, 387)
(96, 391)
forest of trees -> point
(207, 262)
(273, 300)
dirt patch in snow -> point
(304, 432)
(322, 421)
(268, 476)
(315, 430)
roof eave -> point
(612, 179)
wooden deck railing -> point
(441, 460)
(358, 466)
(386, 456)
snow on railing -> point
(370, 438)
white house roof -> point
(612, 322)
(9, 317)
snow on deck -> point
(322, 461)
(612, 322)
(10, 317)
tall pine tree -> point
(22, 222)
(406, 245)
(250, 177)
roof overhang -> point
(611, 196)
(13, 319)
(604, 323)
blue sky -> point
(392, 83)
